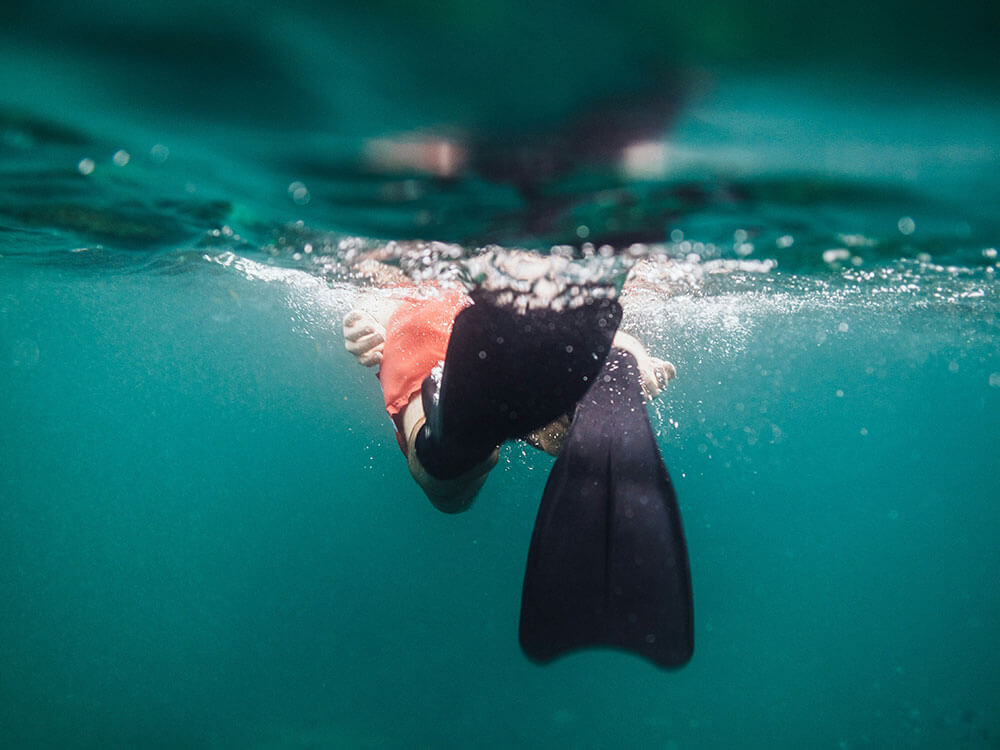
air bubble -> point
(159, 153)
(299, 193)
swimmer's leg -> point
(452, 495)
(509, 371)
(608, 563)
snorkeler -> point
(462, 373)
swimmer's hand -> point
(364, 337)
(654, 372)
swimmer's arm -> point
(364, 337)
(364, 326)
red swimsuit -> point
(416, 340)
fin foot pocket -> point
(510, 369)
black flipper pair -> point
(607, 565)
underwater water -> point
(208, 537)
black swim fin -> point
(608, 564)
(509, 369)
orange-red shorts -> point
(416, 340)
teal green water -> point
(208, 537)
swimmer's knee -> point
(453, 495)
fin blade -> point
(608, 563)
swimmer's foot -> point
(510, 369)
(608, 565)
